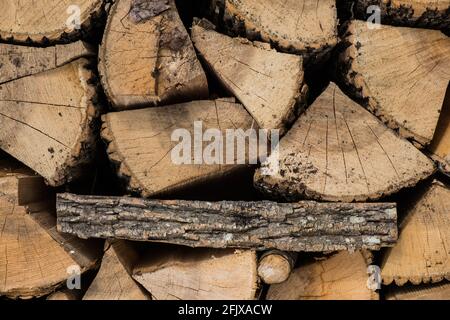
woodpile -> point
(234, 150)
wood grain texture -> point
(440, 145)
(33, 262)
(140, 143)
(308, 27)
(415, 13)
(113, 280)
(198, 274)
(20, 61)
(269, 84)
(422, 254)
(150, 61)
(43, 20)
(342, 276)
(401, 73)
(275, 266)
(302, 226)
(439, 291)
(338, 151)
(46, 121)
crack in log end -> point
(143, 10)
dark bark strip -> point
(301, 226)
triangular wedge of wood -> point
(422, 253)
(47, 118)
(338, 151)
(147, 57)
(440, 146)
(302, 226)
(418, 13)
(178, 273)
(34, 258)
(44, 20)
(113, 281)
(140, 142)
(308, 27)
(269, 84)
(440, 291)
(401, 73)
(343, 276)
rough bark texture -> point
(303, 226)
(414, 13)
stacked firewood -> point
(93, 204)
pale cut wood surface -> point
(151, 61)
(420, 13)
(113, 281)
(402, 73)
(32, 262)
(338, 151)
(269, 84)
(422, 253)
(303, 26)
(275, 266)
(43, 19)
(262, 225)
(20, 61)
(46, 121)
(440, 146)
(140, 143)
(342, 276)
(198, 274)
(439, 291)
(64, 295)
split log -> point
(47, 119)
(46, 20)
(52, 132)
(140, 143)
(338, 151)
(439, 291)
(114, 281)
(402, 75)
(198, 274)
(422, 252)
(269, 84)
(343, 276)
(415, 13)
(34, 258)
(147, 57)
(307, 27)
(440, 146)
(20, 61)
(302, 226)
(275, 266)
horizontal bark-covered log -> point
(302, 226)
